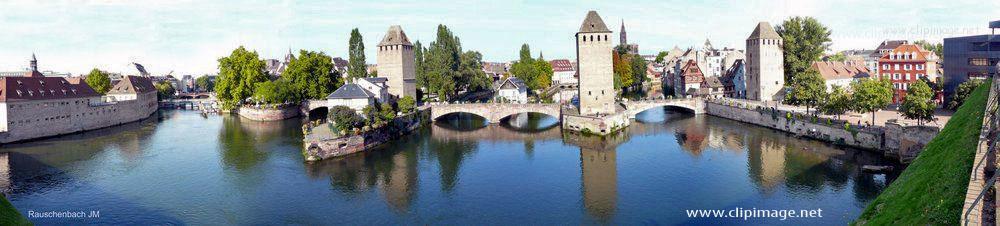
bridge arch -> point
(693, 105)
(494, 112)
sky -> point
(188, 37)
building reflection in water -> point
(598, 172)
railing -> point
(988, 136)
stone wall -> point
(318, 148)
(902, 142)
(44, 118)
(269, 114)
(596, 125)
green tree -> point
(387, 113)
(204, 84)
(418, 65)
(471, 74)
(275, 92)
(99, 81)
(441, 62)
(638, 69)
(239, 74)
(660, 57)
(805, 40)
(357, 68)
(937, 48)
(837, 103)
(311, 76)
(839, 57)
(918, 103)
(870, 95)
(963, 92)
(164, 90)
(544, 77)
(807, 89)
(345, 118)
(371, 114)
(406, 104)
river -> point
(180, 167)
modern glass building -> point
(970, 57)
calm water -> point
(185, 168)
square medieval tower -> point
(593, 59)
(765, 69)
(395, 63)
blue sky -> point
(188, 36)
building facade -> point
(563, 72)
(969, 57)
(841, 73)
(512, 90)
(765, 64)
(35, 106)
(593, 55)
(734, 82)
(906, 64)
(395, 62)
(353, 96)
(689, 80)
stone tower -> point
(395, 63)
(765, 72)
(593, 59)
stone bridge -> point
(493, 112)
(695, 105)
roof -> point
(43, 88)
(920, 54)
(562, 65)
(395, 36)
(132, 84)
(841, 70)
(890, 44)
(377, 79)
(593, 24)
(692, 72)
(495, 68)
(764, 31)
(730, 73)
(350, 91)
(713, 82)
(517, 82)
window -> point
(896, 66)
(885, 67)
(979, 62)
(920, 66)
(907, 76)
(907, 67)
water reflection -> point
(460, 170)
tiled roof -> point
(593, 24)
(919, 54)
(133, 84)
(561, 65)
(377, 80)
(395, 36)
(43, 88)
(841, 70)
(517, 82)
(350, 91)
(692, 73)
(713, 82)
(764, 31)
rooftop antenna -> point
(989, 42)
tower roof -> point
(395, 36)
(593, 24)
(764, 31)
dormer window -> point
(74, 91)
(64, 92)
(19, 93)
(41, 82)
(31, 93)
(19, 82)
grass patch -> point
(931, 191)
(9, 215)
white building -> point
(512, 90)
(564, 72)
(376, 86)
(765, 64)
(353, 96)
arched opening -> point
(202, 96)
(461, 121)
(529, 121)
(660, 114)
(320, 113)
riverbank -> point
(899, 141)
(932, 189)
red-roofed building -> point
(36, 106)
(688, 82)
(841, 73)
(906, 64)
(564, 71)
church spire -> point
(624, 39)
(34, 62)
